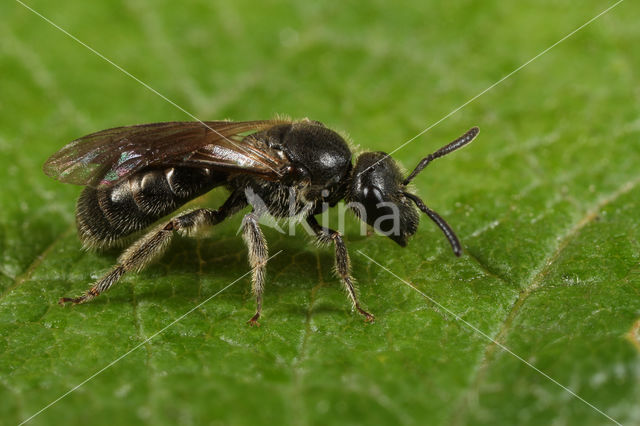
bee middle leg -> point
(153, 244)
(343, 264)
(258, 256)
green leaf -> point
(545, 202)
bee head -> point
(378, 194)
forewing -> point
(101, 159)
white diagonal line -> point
(73, 389)
(483, 334)
(136, 79)
(495, 84)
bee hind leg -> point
(153, 244)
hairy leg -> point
(153, 244)
(258, 255)
(343, 264)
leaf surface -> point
(545, 203)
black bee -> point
(135, 175)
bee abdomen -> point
(107, 215)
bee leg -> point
(153, 244)
(258, 256)
(343, 264)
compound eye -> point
(380, 212)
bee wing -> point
(101, 159)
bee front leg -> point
(258, 256)
(343, 264)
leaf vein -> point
(21, 278)
(535, 284)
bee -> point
(136, 175)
